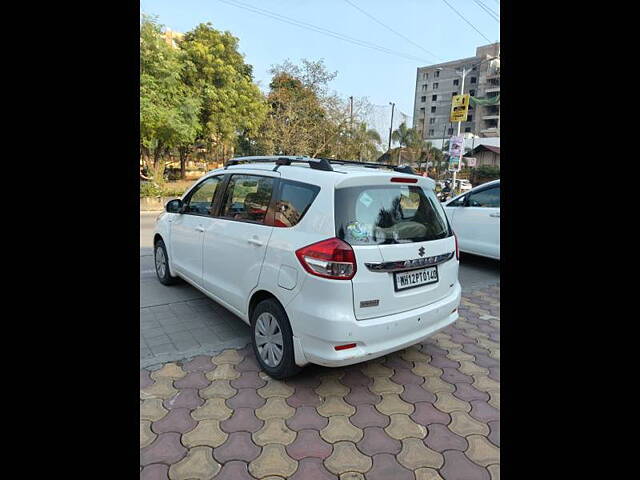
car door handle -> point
(199, 228)
(497, 214)
(255, 241)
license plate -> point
(415, 278)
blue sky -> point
(362, 72)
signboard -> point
(471, 161)
(459, 108)
(454, 164)
(456, 146)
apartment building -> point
(436, 84)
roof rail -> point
(395, 168)
(314, 163)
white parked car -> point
(329, 262)
(463, 185)
(475, 218)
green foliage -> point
(488, 171)
(150, 189)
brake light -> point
(404, 180)
(332, 258)
(457, 250)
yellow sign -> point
(459, 108)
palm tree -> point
(367, 141)
(406, 137)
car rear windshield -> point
(377, 215)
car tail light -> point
(404, 180)
(332, 258)
(457, 250)
(344, 347)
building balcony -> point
(492, 88)
(491, 116)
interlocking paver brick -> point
(351, 476)
(249, 379)
(308, 443)
(401, 426)
(471, 368)
(354, 377)
(426, 414)
(415, 393)
(463, 424)
(368, 416)
(162, 388)
(177, 420)
(404, 376)
(199, 464)
(485, 384)
(494, 373)
(454, 376)
(416, 454)
(275, 407)
(441, 361)
(192, 380)
(392, 403)
(234, 470)
(212, 409)
(168, 371)
(396, 361)
(382, 385)
(249, 363)
(466, 392)
(347, 458)
(274, 430)
(304, 396)
(360, 394)
(145, 379)
(242, 420)
(201, 363)
(246, 397)
(494, 434)
(166, 448)
(157, 471)
(482, 451)
(430, 348)
(273, 461)
(426, 370)
(494, 471)
(152, 409)
(376, 369)
(276, 388)
(481, 410)
(227, 357)
(413, 354)
(331, 386)
(335, 405)
(385, 467)
(475, 350)
(146, 434)
(206, 433)
(447, 403)
(307, 418)
(238, 446)
(185, 398)
(226, 371)
(440, 438)
(339, 428)
(436, 385)
(375, 440)
(458, 467)
(312, 469)
(427, 474)
(218, 388)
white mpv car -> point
(329, 262)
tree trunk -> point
(183, 162)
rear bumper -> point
(316, 336)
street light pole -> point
(453, 187)
(393, 106)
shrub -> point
(149, 189)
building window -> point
(423, 98)
(467, 129)
(424, 87)
(450, 131)
(433, 109)
(422, 110)
(435, 86)
(425, 75)
(453, 94)
(472, 93)
(473, 79)
(456, 82)
(469, 118)
(431, 132)
(432, 120)
(434, 98)
(436, 74)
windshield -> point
(377, 215)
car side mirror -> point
(174, 206)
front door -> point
(477, 222)
(187, 229)
(236, 241)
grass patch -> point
(168, 189)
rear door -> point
(477, 222)
(236, 241)
(404, 249)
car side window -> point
(459, 202)
(247, 198)
(295, 199)
(200, 201)
(489, 198)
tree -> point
(408, 138)
(168, 109)
(231, 103)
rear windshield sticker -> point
(359, 231)
(365, 199)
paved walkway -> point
(431, 411)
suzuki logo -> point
(421, 251)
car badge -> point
(421, 251)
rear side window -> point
(295, 199)
(489, 198)
(247, 198)
(377, 215)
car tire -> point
(161, 262)
(276, 357)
